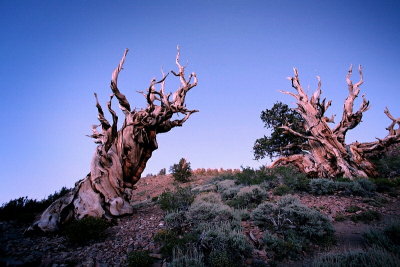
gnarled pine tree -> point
(121, 155)
(328, 155)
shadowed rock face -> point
(328, 155)
(121, 155)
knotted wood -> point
(121, 155)
(327, 154)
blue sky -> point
(55, 54)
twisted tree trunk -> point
(121, 155)
(327, 154)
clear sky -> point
(55, 54)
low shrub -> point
(227, 188)
(289, 214)
(386, 184)
(243, 214)
(178, 200)
(248, 196)
(209, 197)
(282, 247)
(203, 212)
(353, 209)
(370, 257)
(388, 238)
(225, 184)
(189, 257)
(205, 188)
(289, 176)
(181, 171)
(176, 220)
(359, 187)
(224, 244)
(171, 240)
(24, 210)
(85, 230)
(340, 217)
(139, 258)
(230, 193)
(322, 186)
(388, 164)
(377, 201)
(366, 216)
(282, 190)
(249, 176)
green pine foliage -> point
(181, 171)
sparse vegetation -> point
(353, 209)
(282, 190)
(188, 257)
(359, 187)
(24, 210)
(178, 200)
(139, 258)
(388, 238)
(291, 226)
(171, 240)
(226, 245)
(322, 186)
(366, 216)
(85, 230)
(371, 257)
(248, 196)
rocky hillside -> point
(350, 214)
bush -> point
(178, 200)
(289, 214)
(388, 164)
(225, 184)
(290, 176)
(243, 214)
(248, 196)
(371, 257)
(230, 193)
(288, 246)
(181, 171)
(139, 259)
(171, 240)
(386, 184)
(203, 212)
(176, 220)
(360, 187)
(353, 209)
(187, 258)
(85, 230)
(209, 197)
(322, 186)
(388, 238)
(225, 245)
(204, 188)
(366, 216)
(24, 210)
(249, 176)
(282, 190)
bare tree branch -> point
(123, 102)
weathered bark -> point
(327, 154)
(121, 155)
